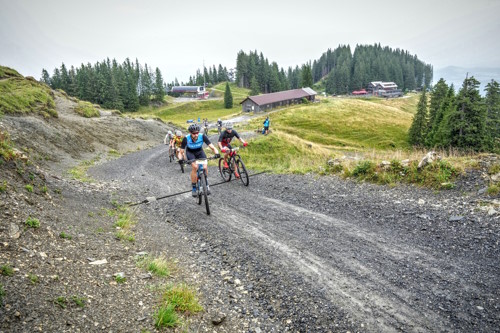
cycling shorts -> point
(196, 155)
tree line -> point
(253, 71)
(344, 71)
(464, 120)
(210, 76)
(123, 86)
(340, 70)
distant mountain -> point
(456, 75)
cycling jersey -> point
(194, 146)
(226, 137)
(177, 140)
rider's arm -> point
(211, 146)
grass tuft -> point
(32, 222)
(157, 266)
(6, 270)
(166, 316)
(182, 297)
(87, 110)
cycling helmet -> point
(169, 132)
(218, 119)
(194, 128)
(229, 125)
(178, 133)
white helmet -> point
(178, 133)
(169, 132)
(229, 125)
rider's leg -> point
(194, 178)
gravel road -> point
(321, 254)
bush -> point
(363, 168)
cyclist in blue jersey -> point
(192, 148)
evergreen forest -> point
(464, 120)
(123, 86)
(340, 70)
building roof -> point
(281, 96)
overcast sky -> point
(179, 36)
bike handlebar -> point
(200, 159)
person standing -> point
(266, 126)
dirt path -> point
(318, 255)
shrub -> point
(363, 168)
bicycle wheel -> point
(225, 173)
(242, 170)
(198, 191)
(203, 181)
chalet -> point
(384, 89)
(277, 99)
(197, 91)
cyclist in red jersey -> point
(225, 142)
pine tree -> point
(437, 134)
(228, 97)
(158, 88)
(307, 80)
(254, 87)
(468, 121)
(492, 101)
(416, 134)
(45, 77)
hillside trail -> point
(288, 253)
(308, 254)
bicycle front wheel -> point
(204, 190)
(242, 170)
(225, 173)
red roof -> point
(280, 96)
(359, 92)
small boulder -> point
(429, 158)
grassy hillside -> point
(304, 137)
(24, 95)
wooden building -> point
(282, 98)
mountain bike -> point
(234, 160)
(202, 181)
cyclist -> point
(219, 125)
(205, 126)
(192, 148)
(176, 142)
(168, 138)
(225, 143)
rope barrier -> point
(179, 193)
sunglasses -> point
(195, 133)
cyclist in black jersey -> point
(225, 142)
(192, 148)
